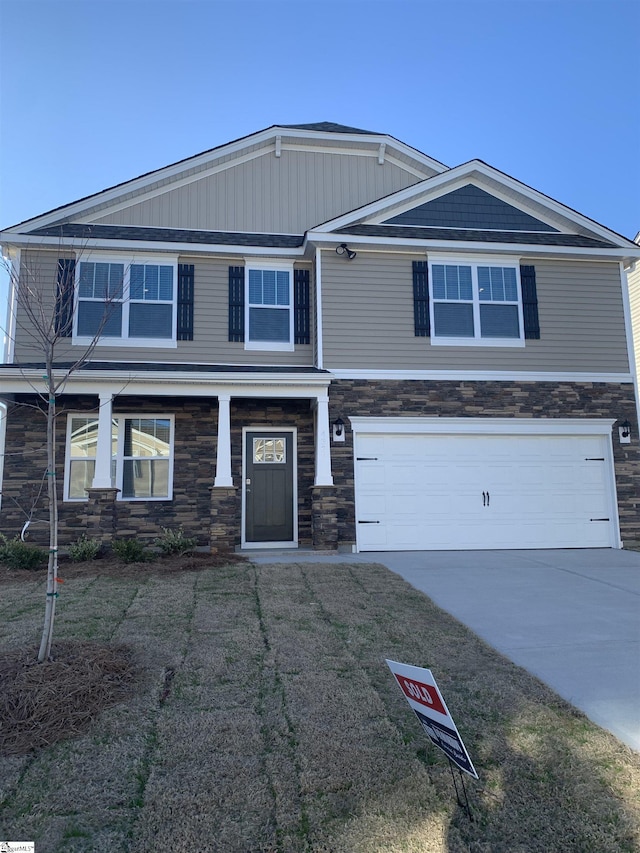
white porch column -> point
(223, 457)
(323, 448)
(102, 473)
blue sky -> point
(94, 92)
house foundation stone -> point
(324, 518)
(223, 524)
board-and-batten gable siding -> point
(276, 195)
(368, 320)
(633, 277)
(210, 342)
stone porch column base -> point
(224, 528)
(101, 514)
(324, 518)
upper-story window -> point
(127, 302)
(269, 306)
(475, 303)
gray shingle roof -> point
(329, 127)
(170, 235)
(475, 235)
(167, 367)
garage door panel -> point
(482, 491)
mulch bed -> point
(41, 703)
(110, 566)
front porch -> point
(202, 462)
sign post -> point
(425, 700)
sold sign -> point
(425, 694)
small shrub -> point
(129, 550)
(16, 554)
(85, 549)
(175, 542)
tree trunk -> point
(52, 491)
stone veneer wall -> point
(194, 465)
(391, 398)
(193, 475)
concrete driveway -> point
(570, 617)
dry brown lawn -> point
(264, 720)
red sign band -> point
(425, 694)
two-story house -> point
(318, 336)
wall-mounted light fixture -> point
(343, 249)
(338, 429)
(624, 432)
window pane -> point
(255, 287)
(84, 437)
(147, 436)
(484, 284)
(136, 281)
(268, 450)
(80, 477)
(466, 289)
(150, 321)
(269, 324)
(437, 274)
(166, 283)
(282, 279)
(101, 284)
(116, 277)
(151, 275)
(91, 314)
(497, 284)
(145, 478)
(453, 320)
(510, 285)
(499, 321)
(85, 284)
(268, 287)
(451, 278)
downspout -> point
(319, 348)
(626, 302)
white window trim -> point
(119, 416)
(268, 346)
(474, 263)
(124, 341)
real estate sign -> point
(421, 692)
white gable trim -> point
(471, 172)
(266, 139)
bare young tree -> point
(42, 311)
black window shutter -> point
(421, 299)
(186, 278)
(64, 297)
(529, 302)
(236, 303)
(301, 306)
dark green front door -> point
(269, 469)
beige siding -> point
(268, 194)
(368, 320)
(210, 344)
(634, 297)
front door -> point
(269, 490)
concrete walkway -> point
(570, 617)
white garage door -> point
(460, 491)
